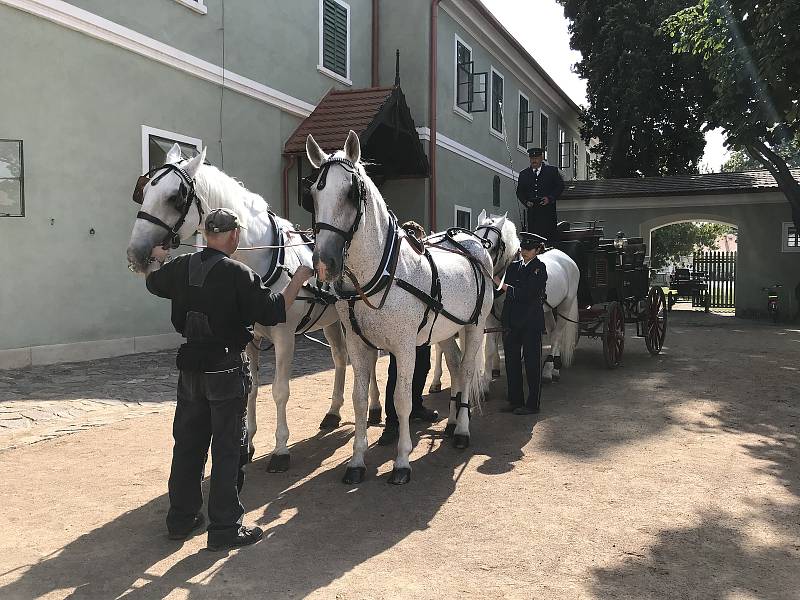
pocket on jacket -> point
(225, 385)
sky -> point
(540, 26)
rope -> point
(510, 161)
(256, 247)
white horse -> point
(359, 243)
(214, 189)
(560, 311)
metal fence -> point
(720, 270)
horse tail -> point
(569, 333)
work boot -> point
(181, 534)
(244, 537)
(425, 414)
(391, 433)
(526, 410)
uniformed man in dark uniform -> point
(215, 301)
(523, 323)
(539, 187)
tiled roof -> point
(336, 114)
(676, 185)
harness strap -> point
(355, 326)
(274, 271)
(199, 269)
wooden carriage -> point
(614, 289)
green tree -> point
(751, 52)
(682, 239)
(644, 100)
(740, 160)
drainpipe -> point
(289, 164)
(375, 42)
(432, 111)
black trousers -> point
(421, 368)
(210, 411)
(541, 220)
(527, 343)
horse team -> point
(388, 292)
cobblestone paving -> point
(45, 402)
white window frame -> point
(562, 133)
(785, 234)
(147, 131)
(575, 154)
(519, 111)
(456, 209)
(543, 143)
(490, 84)
(456, 108)
(197, 6)
(345, 80)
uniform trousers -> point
(518, 343)
(211, 411)
(422, 366)
(542, 221)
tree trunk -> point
(776, 165)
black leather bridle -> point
(186, 197)
(500, 246)
(355, 195)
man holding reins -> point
(215, 302)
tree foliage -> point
(740, 160)
(751, 52)
(682, 239)
(644, 101)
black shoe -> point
(246, 536)
(182, 534)
(425, 414)
(526, 410)
(391, 433)
(510, 408)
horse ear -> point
(315, 154)
(174, 154)
(482, 216)
(352, 147)
(194, 164)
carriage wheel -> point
(655, 325)
(614, 335)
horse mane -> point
(219, 190)
(512, 243)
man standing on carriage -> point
(538, 188)
(215, 301)
(523, 323)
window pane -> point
(159, 147)
(497, 100)
(10, 197)
(10, 163)
(463, 219)
(792, 238)
(543, 135)
(523, 121)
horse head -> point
(170, 210)
(338, 198)
(502, 233)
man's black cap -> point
(221, 220)
(529, 241)
(535, 152)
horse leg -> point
(375, 410)
(335, 336)
(436, 384)
(550, 326)
(363, 360)
(284, 352)
(471, 384)
(555, 349)
(253, 352)
(401, 473)
(451, 356)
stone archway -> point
(646, 228)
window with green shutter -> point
(335, 46)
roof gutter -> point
(292, 159)
(432, 85)
(375, 42)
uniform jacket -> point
(524, 296)
(530, 188)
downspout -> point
(289, 164)
(375, 42)
(432, 67)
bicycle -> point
(772, 301)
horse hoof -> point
(460, 441)
(547, 380)
(435, 388)
(330, 421)
(400, 476)
(556, 377)
(374, 416)
(449, 430)
(278, 463)
(354, 475)
(495, 373)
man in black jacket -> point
(215, 301)
(523, 323)
(538, 188)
